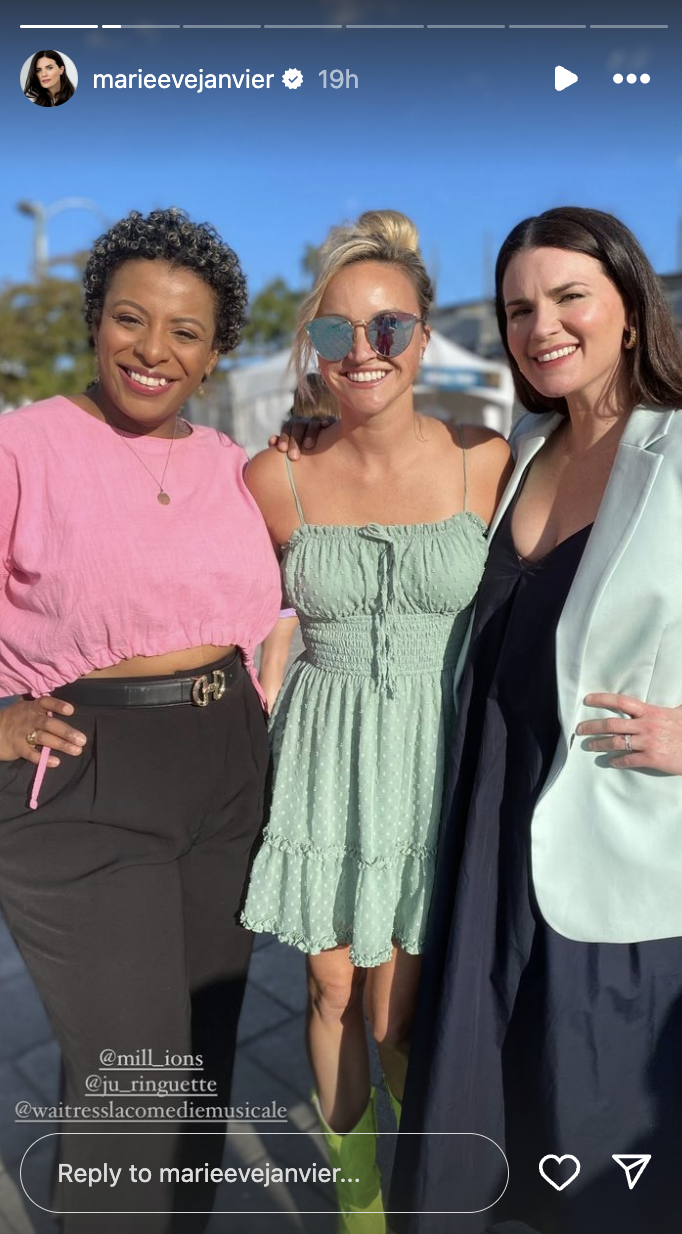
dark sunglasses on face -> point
(388, 333)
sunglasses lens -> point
(332, 337)
(390, 333)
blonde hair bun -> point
(391, 226)
(387, 229)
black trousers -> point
(122, 891)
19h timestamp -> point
(338, 79)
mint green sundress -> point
(361, 732)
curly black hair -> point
(169, 235)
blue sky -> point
(461, 129)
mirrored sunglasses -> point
(388, 334)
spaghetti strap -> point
(299, 508)
(462, 442)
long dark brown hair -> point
(654, 364)
(41, 96)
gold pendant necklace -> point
(162, 496)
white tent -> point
(454, 384)
(260, 396)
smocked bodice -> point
(384, 600)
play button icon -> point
(563, 78)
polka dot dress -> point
(360, 733)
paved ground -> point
(271, 1066)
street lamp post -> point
(41, 215)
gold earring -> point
(201, 391)
(631, 339)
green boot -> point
(396, 1106)
(358, 1183)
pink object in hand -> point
(40, 774)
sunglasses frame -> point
(399, 313)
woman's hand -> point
(299, 433)
(31, 718)
(648, 737)
(274, 657)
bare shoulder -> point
(486, 450)
(266, 471)
(486, 440)
(266, 478)
(489, 466)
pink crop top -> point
(93, 569)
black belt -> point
(199, 688)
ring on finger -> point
(32, 737)
(628, 742)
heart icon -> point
(559, 1161)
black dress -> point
(545, 1045)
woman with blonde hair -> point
(383, 537)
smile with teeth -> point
(556, 355)
(367, 375)
(145, 380)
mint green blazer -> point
(606, 844)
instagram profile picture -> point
(49, 78)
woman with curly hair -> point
(48, 82)
(137, 579)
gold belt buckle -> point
(205, 691)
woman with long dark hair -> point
(549, 1012)
(48, 82)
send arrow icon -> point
(563, 78)
(634, 1165)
